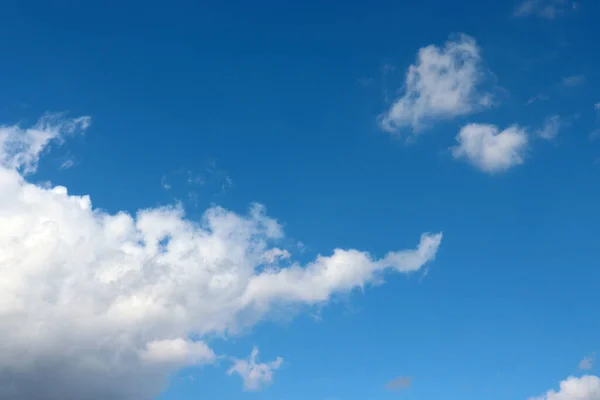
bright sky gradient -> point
(299, 200)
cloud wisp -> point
(547, 9)
(588, 362)
(400, 382)
(573, 80)
(551, 128)
(255, 375)
(21, 148)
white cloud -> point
(588, 361)
(96, 305)
(255, 375)
(585, 388)
(552, 126)
(489, 149)
(443, 84)
(597, 106)
(548, 9)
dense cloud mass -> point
(102, 306)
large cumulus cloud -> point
(102, 306)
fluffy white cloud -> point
(552, 126)
(96, 305)
(585, 388)
(548, 9)
(255, 375)
(489, 149)
(444, 83)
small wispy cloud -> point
(68, 163)
(163, 182)
(387, 76)
(588, 361)
(220, 174)
(551, 128)
(401, 382)
(547, 9)
(195, 179)
(21, 148)
(227, 183)
(191, 185)
(193, 198)
(254, 374)
(573, 80)
(538, 97)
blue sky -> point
(361, 125)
